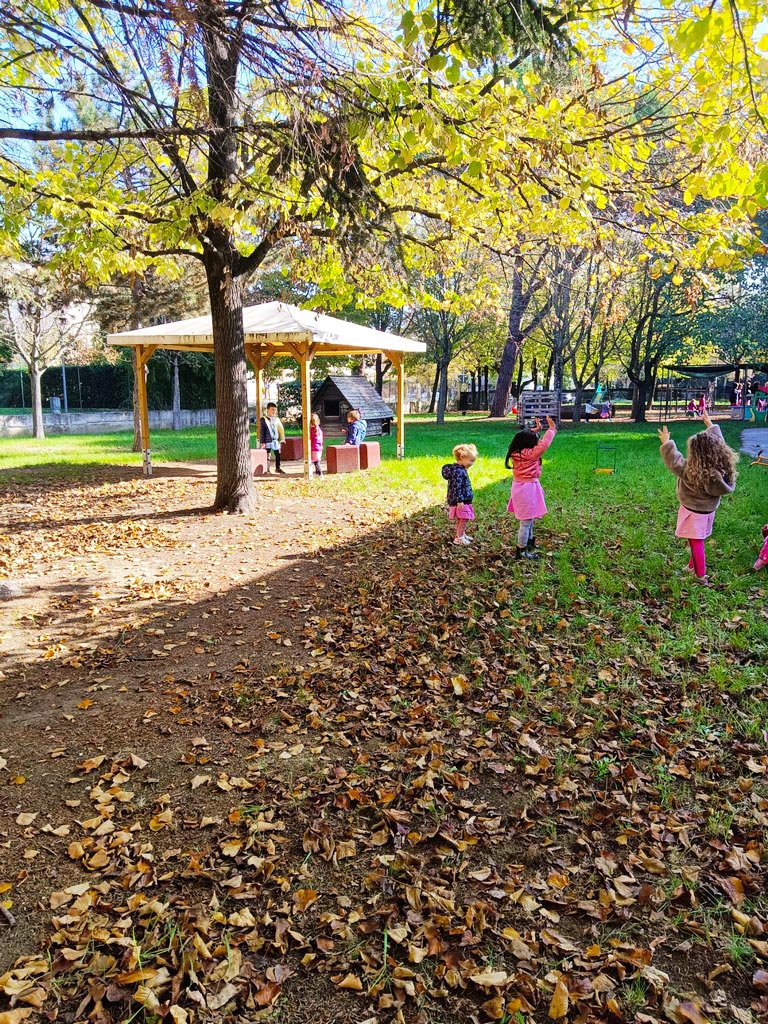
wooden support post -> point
(400, 408)
(305, 362)
(142, 356)
(257, 358)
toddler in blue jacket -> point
(460, 493)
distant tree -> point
(40, 321)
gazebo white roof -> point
(277, 325)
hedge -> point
(110, 385)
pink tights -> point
(698, 560)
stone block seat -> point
(342, 458)
(259, 461)
(370, 454)
(292, 449)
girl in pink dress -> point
(316, 442)
(526, 502)
(708, 472)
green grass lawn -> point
(618, 527)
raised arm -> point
(544, 443)
(673, 460)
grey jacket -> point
(691, 497)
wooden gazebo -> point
(274, 329)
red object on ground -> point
(259, 461)
(370, 454)
(342, 458)
(292, 449)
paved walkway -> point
(753, 439)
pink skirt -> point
(465, 512)
(527, 500)
(694, 525)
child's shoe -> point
(530, 551)
(463, 542)
(702, 581)
(759, 564)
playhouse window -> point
(331, 408)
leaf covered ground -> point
(319, 765)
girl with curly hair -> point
(703, 478)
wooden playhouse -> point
(334, 398)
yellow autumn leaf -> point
(560, 1000)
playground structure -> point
(535, 405)
(270, 329)
(673, 398)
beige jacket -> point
(690, 496)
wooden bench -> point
(342, 458)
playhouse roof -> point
(278, 325)
(360, 394)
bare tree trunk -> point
(381, 370)
(35, 375)
(548, 376)
(442, 395)
(578, 403)
(512, 348)
(434, 390)
(520, 371)
(652, 389)
(176, 402)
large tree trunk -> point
(511, 353)
(639, 399)
(176, 402)
(513, 345)
(578, 403)
(35, 375)
(234, 483)
(442, 394)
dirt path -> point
(137, 607)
